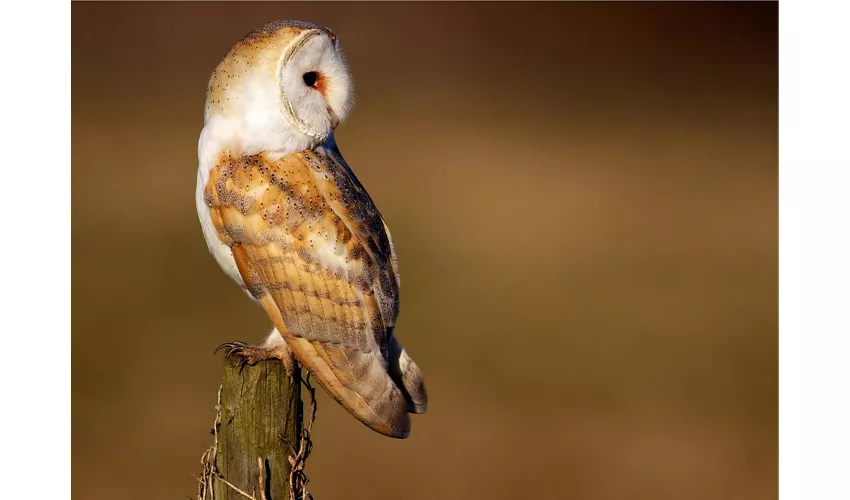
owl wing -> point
(311, 247)
(369, 225)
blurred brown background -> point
(583, 198)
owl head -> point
(283, 88)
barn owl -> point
(285, 217)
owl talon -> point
(244, 354)
(230, 346)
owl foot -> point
(244, 354)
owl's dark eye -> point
(310, 78)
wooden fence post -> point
(260, 443)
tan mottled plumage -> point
(312, 247)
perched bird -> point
(285, 217)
